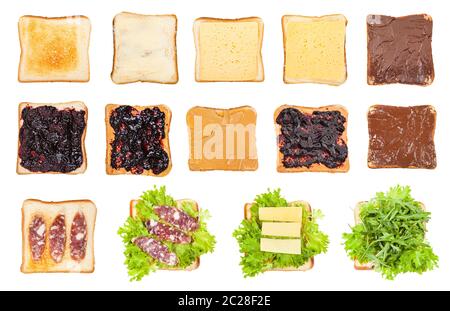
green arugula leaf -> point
(391, 235)
(248, 235)
(139, 263)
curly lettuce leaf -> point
(391, 235)
(248, 235)
(139, 263)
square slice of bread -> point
(233, 131)
(310, 263)
(78, 106)
(48, 211)
(133, 213)
(357, 264)
(110, 135)
(345, 167)
(54, 49)
(314, 49)
(145, 48)
(229, 50)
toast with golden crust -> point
(54, 49)
(345, 167)
(48, 211)
(80, 106)
(110, 138)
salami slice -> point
(177, 218)
(36, 237)
(78, 237)
(57, 238)
(167, 233)
(156, 250)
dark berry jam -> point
(138, 140)
(51, 139)
(308, 139)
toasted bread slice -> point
(145, 48)
(48, 211)
(133, 213)
(314, 49)
(78, 106)
(357, 264)
(310, 263)
(110, 138)
(54, 49)
(241, 142)
(345, 167)
(229, 50)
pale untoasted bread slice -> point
(229, 50)
(54, 49)
(345, 167)
(314, 49)
(110, 138)
(78, 106)
(48, 211)
(357, 264)
(242, 122)
(145, 48)
(310, 263)
(133, 213)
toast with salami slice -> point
(58, 236)
(162, 233)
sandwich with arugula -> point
(389, 235)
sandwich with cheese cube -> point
(229, 50)
(277, 235)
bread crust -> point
(115, 58)
(196, 263)
(284, 21)
(110, 138)
(367, 266)
(371, 165)
(29, 268)
(310, 263)
(227, 20)
(23, 47)
(345, 167)
(60, 106)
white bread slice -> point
(110, 138)
(78, 106)
(345, 167)
(357, 264)
(48, 211)
(145, 48)
(54, 49)
(310, 263)
(133, 213)
(229, 50)
(314, 49)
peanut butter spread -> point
(222, 139)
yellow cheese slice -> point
(281, 246)
(315, 49)
(229, 50)
(282, 229)
(287, 214)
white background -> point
(223, 193)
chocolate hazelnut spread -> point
(399, 49)
(401, 137)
